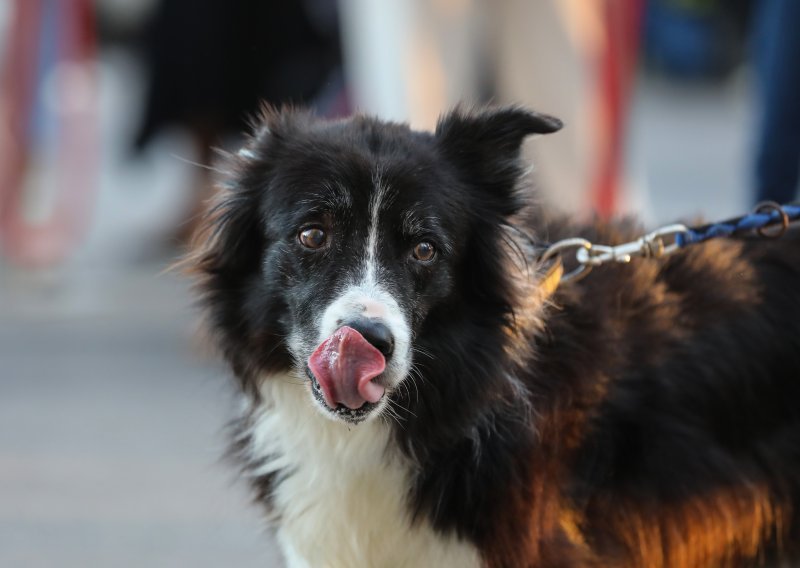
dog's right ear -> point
(486, 144)
(230, 239)
(493, 131)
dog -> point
(418, 392)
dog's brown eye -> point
(312, 237)
(424, 251)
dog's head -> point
(334, 244)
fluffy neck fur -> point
(339, 494)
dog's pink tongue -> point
(344, 365)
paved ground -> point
(111, 431)
(689, 149)
(110, 420)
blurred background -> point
(111, 411)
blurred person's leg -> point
(575, 60)
(410, 60)
(541, 53)
(777, 61)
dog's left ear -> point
(486, 145)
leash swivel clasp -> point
(661, 242)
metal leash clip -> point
(666, 240)
(661, 242)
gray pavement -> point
(112, 428)
(689, 149)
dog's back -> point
(689, 371)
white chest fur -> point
(340, 499)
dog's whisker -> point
(414, 375)
(200, 165)
(392, 415)
(422, 351)
(401, 407)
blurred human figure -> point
(411, 59)
(211, 63)
(776, 42)
(576, 60)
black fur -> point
(650, 419)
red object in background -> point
(50, 236)
(623, 21)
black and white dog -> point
(416, 396)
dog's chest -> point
(340, 493)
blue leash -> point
(765, 215)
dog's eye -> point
(424, 251)
(312, 237)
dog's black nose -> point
(376, 333)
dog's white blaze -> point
(375, 309)
(341, 494)
(366, 297)
(370, 272)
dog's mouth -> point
(343, 370)
(352, 415)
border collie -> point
(415, 395)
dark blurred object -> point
(212, 61)
(776, 45)
(695, 39)
(120, 22)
